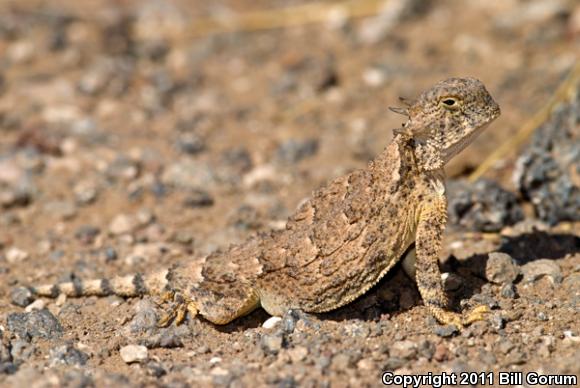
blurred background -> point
(236, 110)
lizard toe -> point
(477, 314)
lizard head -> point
(447, 118)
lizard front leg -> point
(432, 222)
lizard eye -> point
(449, 102)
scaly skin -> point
(345, 238)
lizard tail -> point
(131, 285)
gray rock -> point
(446, 331)
(38, 323)
(482, 206)
(542, 316)
(537, 269)
(14, 197)
(356, 329)
(546, 172)
(123, 169)
(21, 296)
(426, 349)
(6, 365)
(67, 354)
(289, 320)
(293, 151)
(87, 233)
(378, 28)
(393, 363)
(501, 268)
(155, 369)
(497, 321)
(198, 198)
(189, 174)
(110, 254)
(21, 350)
(145, 319)
(170, 337)
(323, 362)
(190, 143)
(508, 291)
(133, 353)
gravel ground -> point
(128, 145)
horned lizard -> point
(343, 240)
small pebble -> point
(289, 321)
(16, 255)
(501, 268)
(297, 354)
(271, 322)
(68, 355)
(542, 316)
(505, 346)
(122, 224)
(508, 291)
(293, 150)
(441, 353)
(406, 350)
(87, 233)
(537, 269)
(446, 331)
(38, 304)
(451, 281)
(366, 365)
(155, 369)
(133, 353)
(190, 143)
(498, 322)
(85, 193)
(21, 296)
(271, 344)
(198, 198)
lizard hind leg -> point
(217, 308)
(221, 309)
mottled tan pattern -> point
(348, 235)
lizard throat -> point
(456, 148)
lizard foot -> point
(477, 314)
(177, 312)
(451, 318)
